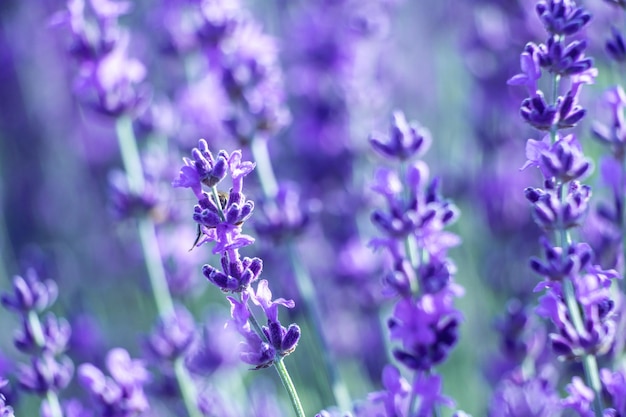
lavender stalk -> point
(424, 321)
(573, 284)
(50, 371)
(152, 255)
(220, 217)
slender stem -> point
(154, 264)
(130, 153)
(590, 365)
(264, 167)
(152, 254)
(53, 403)
(288, 384)
(35, 327)
(187, 388)
(304, 282)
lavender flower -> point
(121, 394)
(220, 219)
(108, 80)
(45, 341)
(580, 398)
(530, 397)
(577, 299)
(615, 385)
(173, 337)
(424, 320)
(615, 46)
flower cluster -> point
(44, 339)
(108, 80)
(424, 321)
(240, 58)
(120, 395)
(220, 217)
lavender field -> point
(329, 208)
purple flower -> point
(111, 85)
(120, 395)
(173, 336)
(562, 17)
(558, 265)
(428, 388)
(91, 36)
(127, 203)
(283, 340)
(516, 396)
(45, 373)
(56, 335)
(427, 329)
(531, 72)
(564, 60)
(285, 215)
(30, 293)
(580, 398)
(396, 394)
(405, 140)
(538, 113)
(615, 45)
(615, 135)
(254, 350)
(615, 385)
(263, 298)
(235, 276)
(563, 159)
(552, 213)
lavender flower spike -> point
(221, 219)
(120, 395)
(48, 371)
(577, 298)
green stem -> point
(54, 404)
(288, 384)
(590, 365)
(35, 326)
(154, 265)
(152, 254)
(130, 153)
(264, 167)
(187, 388)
